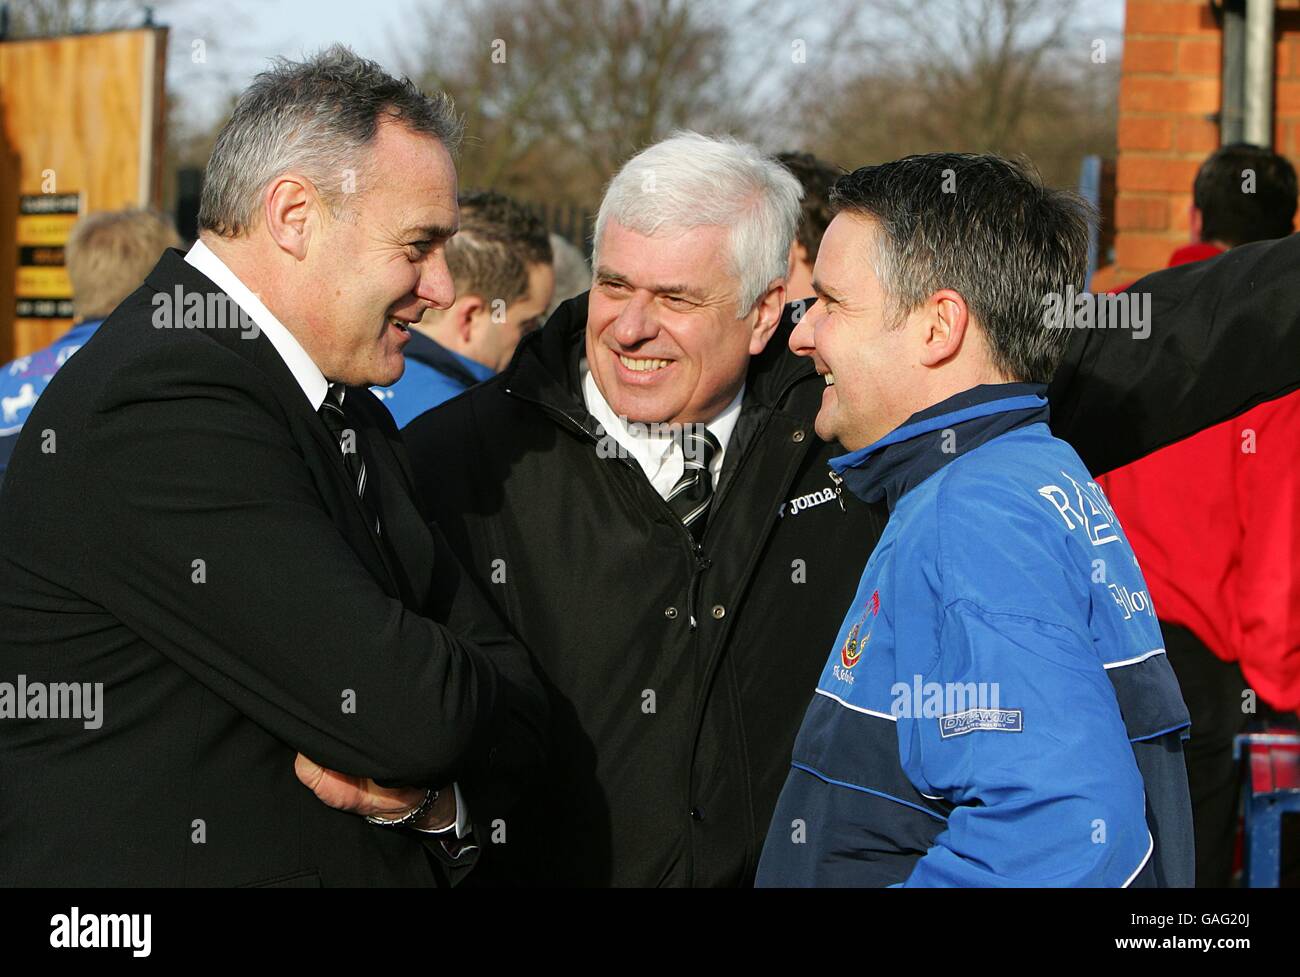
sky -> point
(237, 37)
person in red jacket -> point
(1215, 523)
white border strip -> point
(849, 705)
(1143, 864)
(1134, 661)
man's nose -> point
(636, 323)
(436, 285)
(801, 341)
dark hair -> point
(319, 116)
(986, 227)
(1231, 213)
(497, 241)
(816, 176)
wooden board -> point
(78, 115)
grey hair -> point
(317, 117)
(984, 226)
(690, 180)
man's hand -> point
(361, 795)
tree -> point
(1015, 77)
(47, 18)
(558, 93)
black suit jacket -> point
(178, 525)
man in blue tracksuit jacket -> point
(433, 374)
(502, 264)
(997, 709)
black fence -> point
(570, 221)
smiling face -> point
(663, 341)
(377, 266)
(871, 377)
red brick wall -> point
(1170, 83)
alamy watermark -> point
(188, 309)
(689, 437)
(77, 930)
(1089, 310)
(931, 700)
(53, 700)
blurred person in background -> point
(816, 177)
(572, 273)
(108, 255)
(500, 260)
(1215, 523)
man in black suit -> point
(212, 571)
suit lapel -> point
(320, 450)
(406, 534)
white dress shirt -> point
(304, 370)
(657, 452)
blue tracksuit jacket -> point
(433, 374)
(998, 709)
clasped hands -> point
(361, 795)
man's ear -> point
(770, 307)
(1196, 222)
(943, 327)
(468, 318)
(290, 213)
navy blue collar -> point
(920, 446)
(432, 353)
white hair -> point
(690, 180)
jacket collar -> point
(433, 354)
(545, 366)
(916, 449)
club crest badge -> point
(853, 648)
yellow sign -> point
(43, 283)
(42, 288)
(37, 230)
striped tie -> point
(693, 492)
(331, 412)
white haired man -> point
(654, 441)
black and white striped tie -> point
(693, 492)
(331, 412)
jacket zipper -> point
(702, 563)
(838, 482)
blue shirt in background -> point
(433, 374)
(24, 380)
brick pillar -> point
(1170, 88)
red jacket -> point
(1215, 523)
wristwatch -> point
(412, 816)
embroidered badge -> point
(997, 720)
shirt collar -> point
(638, 438)
(304, 370)
(921, 445)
